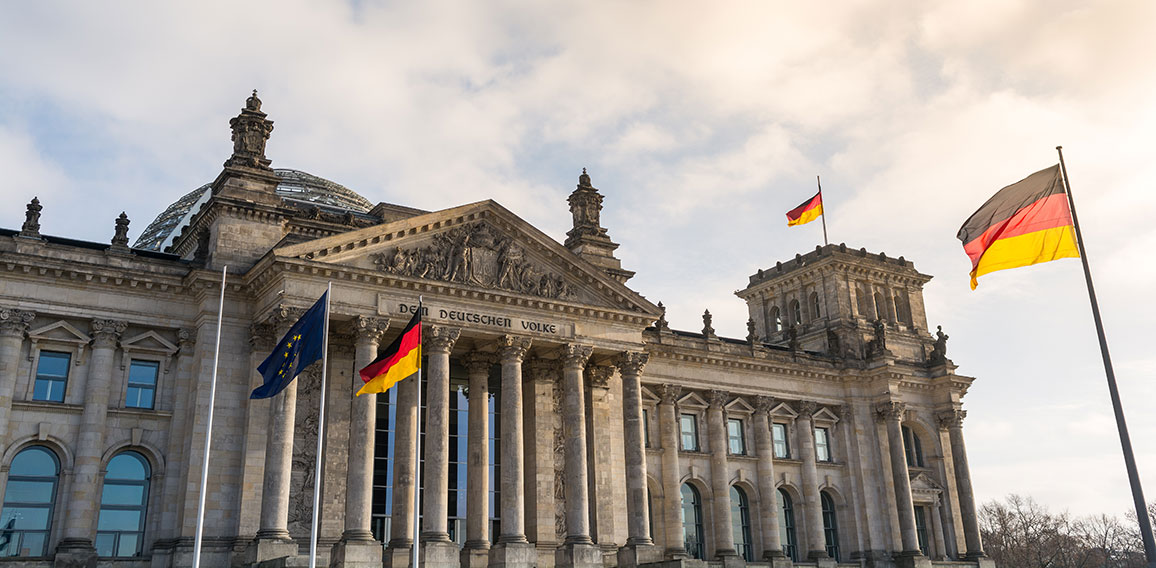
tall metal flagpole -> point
(824, 206)
(209, 428)
(417, 458)
(320, 432)
(1121, 425)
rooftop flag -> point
(1025, 223)
(810, 210)
(300, 347)
(401, 359)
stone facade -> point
(565, 424)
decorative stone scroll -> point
(476, 255)
(951, 419)
(890, 410)
(15, 322)
(599, 375)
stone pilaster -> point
(578, 550)
(437, 548)
(639, 547)
(720, 475)
(357, 547)
(13, 325)
(475, 553)
(76, 547)
(891, 413)
(512, 550)
(539, 450)
(812, 507)
(953, 421)
(671, 473)
(769, 511)
(600, 458)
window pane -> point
(116, 494)
(33, 462)
(105, 543)
(113, 520)
(735, 436)
(29, 491)
(32, 544)
(779, 432)
(127, 466)
(128, 544)
(51, 390)
(53, 364)
(27, 518)
(143, 372)
(822, 450)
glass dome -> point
(295, 185)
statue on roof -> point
(251, 131)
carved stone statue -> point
(662, 324)
(939, 350)
(586, 206)
(793, 338)
(31, 227)
(752, 337)
(834, 345)
(707, 330)
(120, 236)
(878, 345)
(250, 132)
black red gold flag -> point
(401, 359)
(807, 212)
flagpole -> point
(417, 458)
(209, 428)
(824, 206)
(320, 432)
(1121, 425)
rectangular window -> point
(142, 384)
(689, 428)
(779, 435)
(645, 428)
(735, 440)
(822, 445)
(51, 376)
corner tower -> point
(588, 239)
(843, 302)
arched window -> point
(830, 526)
(776, 319)
(796, 313)
(787, 526)
(29, 500)
(123, 503)
(912, 448)
(741, 523)
(813, 302)
(692, 522)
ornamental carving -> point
(938, 354)
(478, 363)
(764, 404)
(668, 394)
(574, 355)
(262, 336)
(441, 339)
(369, 329)
(120, 233)
(303, 477)
(543, 370)
(632, 362)
(31, 226)
(807, 408)
(718, 398)
(951, 419)
(890, 410)
(512, 349)
(106, 332)
(250, 133)
(13, 323)
(478, 256)
(600, 375)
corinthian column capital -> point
(106, 332)
(890, 410)
(478, 362)
(513, 349)
(669, 394)
(951, 419)
(807, 408)
(367, 329)
(13, 323)
(600, 375)
(632, 362)
(575, 355)
(441, 339)
(719, 398)
(764, 404)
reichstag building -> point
(562, 421)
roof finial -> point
(584, 179)
(253, 103)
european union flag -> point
(298, 349)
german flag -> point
(1025, 223)
(401, 359)
(807, 212)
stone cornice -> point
(218, 206)
(126, 271)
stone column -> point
(768, 496)
(953, 420)
(578, 550)
(439, 551)
(357, 547)
(476, 552)
(724, 535)
(639, 547)
(13, 325)
(892, 413)
(84, 502)
(671, 472)
(937, 530)
(403, 515)
(812, 507)
(512, 549)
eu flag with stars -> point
(298, 349)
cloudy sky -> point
(701, 123)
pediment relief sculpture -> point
(475, 255)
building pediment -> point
(480, 246)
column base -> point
(264, 549)
(578, 555)
(438, 554)
(635, 555)
(981, 560)
(513, 555)
(732, 560)
(911, 559)
(75, 553)
(397, 555)
(475, 556)
(356, 554)
(778, 560)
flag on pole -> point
(810, 210)
(401, 359)
(300, 347)
(1025, 223)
